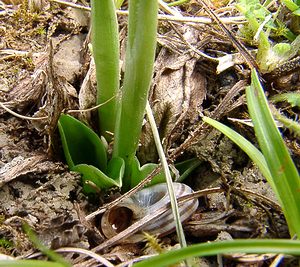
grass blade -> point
(210, 249)
(254, 154)
(285, 176)
(168, 178)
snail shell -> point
(145, 202)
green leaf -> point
(293, 98)
(263, 53)
(290, 5)
(115, 169)
(281, 49)
(254, 154)
(105, 40)
(286, 180)
(297, 12)
(80, 144)
(139, 61)
(115, 172)
(185, 168)
(274, 246)
(139, 173)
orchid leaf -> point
(115, 172)
(139, 62)
(81, 144)
(139, 173)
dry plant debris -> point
(46, 69)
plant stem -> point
(167, 173)
(105, 39)
(139, 61)
(164, 163)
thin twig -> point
(126, 195)
(89, 109)
(21, 116)
(239, 46)
(86, 252)
(204, 20)
(90, 253)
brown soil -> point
(45, 69)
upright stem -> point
(139, 61)
(164, 163)
(105, 40)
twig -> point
(204, 20)
(89, 109)
(239, 46)
(127, 194)
(86, 252)
(21, 116)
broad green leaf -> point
(100, 179)
(115, 170)
(81, 145)
(139, 173)
(286, 180)
(275, 246)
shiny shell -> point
(145, 202)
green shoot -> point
(105, 42)
(123, 114)
(139, 61)
(261, 23)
